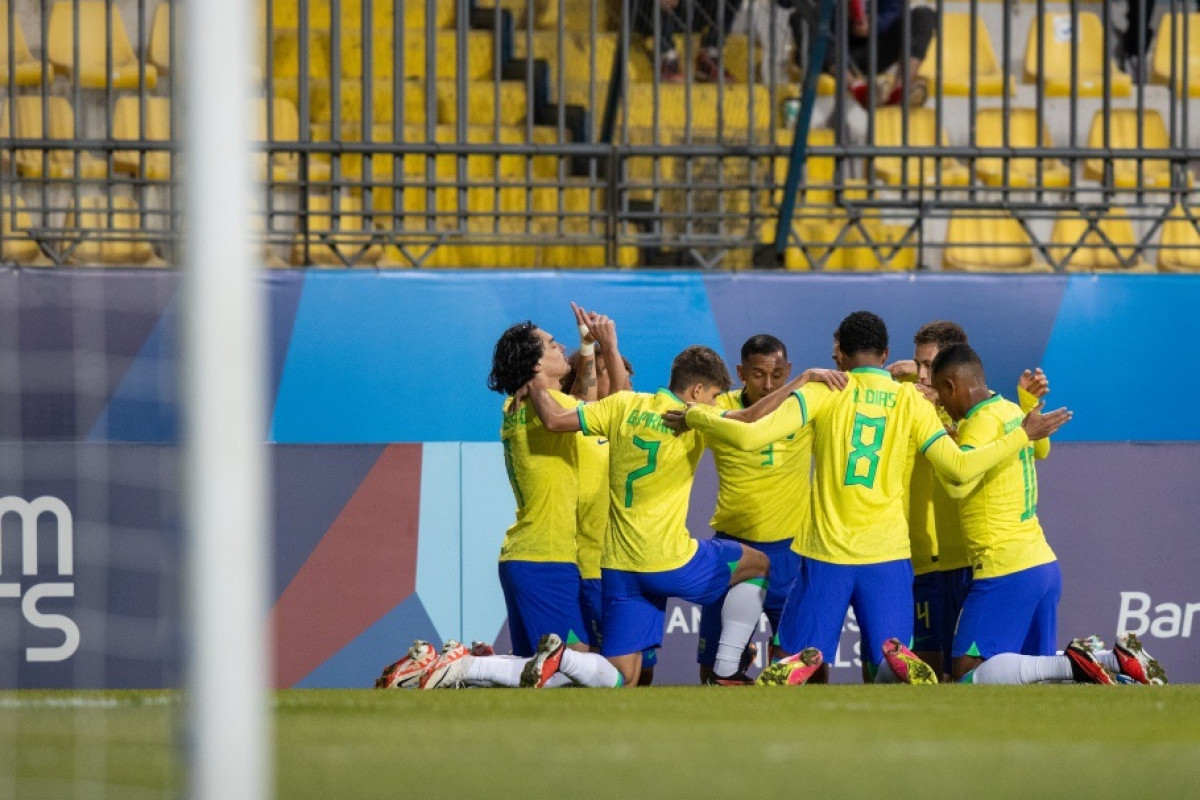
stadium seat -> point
(1093, 60)
(92, 70)
(988, 241)
(1021, 125)
(16, 245)
(382, 102)
(480, 54)
(127, 115)
(696, 106)
(336, 239)
(955, 74)
(1171, 29)
(27, 70)
(1179, 248)
(109, 233)
(28, 124)
(1109, 245)
(1123, 135)
(285, 127)
(159, 51)
(484, 105)
(914, 170)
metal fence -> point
(1031, 136)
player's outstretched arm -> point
(584, 386)
(605, 331)
(830, 377)
(1039, 425)
(553, 416)
(964, 466)
(1032, 386)
(785, 420)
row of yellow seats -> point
(128, 71)
(989, 241)
(58, 122)
(1055, 70)
(1019, 130)
(97, 231)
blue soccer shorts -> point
(542, 597)
(955, 585)
(785, 563)
(928, 612)
(1016, 613)
(635, 602)
(880, 594)
(591, 602)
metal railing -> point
(562, 133)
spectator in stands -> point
(889, 48)
(713, 17)
(1138, 33)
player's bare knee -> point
(753, 564)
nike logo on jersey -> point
(602, 441)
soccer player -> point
(856, 551)
(648, 554)
(762, 496)
(1007, 632)
(538, 571)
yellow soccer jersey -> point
(592, 516)
(541, 470)
(650, 479)
(762, 495)
(922, 525)
(860, 442)
(999, 509)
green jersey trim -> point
(803, 407)
(931, 440)
(981, 404)
(672, 395)
(871, 371)
(582, 422)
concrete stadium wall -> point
(390, 497)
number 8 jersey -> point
(650, 474)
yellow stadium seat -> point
(1187, 53)
(480, 54)
(285, 127)
(28, 124)
(127, 116)
(956, 59)
(483, 105)
(17, 245)
(1021, 125)
(1093, 59)
(159, 51)
(1179, 249)
(922, 125)
(335, 240)
(1108, 246)
(382, 102)
(677, 112)
(989, 241)
(110, 234)
(91, 72)
(27, 70)
(1123, 135)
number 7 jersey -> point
(861, 437)
(650, 474)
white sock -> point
(1012, 668)
(589, 669)
(494, 671)
(739, 617)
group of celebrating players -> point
(905, 491)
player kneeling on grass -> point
(648, 554)
(856, 553)
(1007, 631)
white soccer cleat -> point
(448, 670)
(406, 673)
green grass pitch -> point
(842, 741)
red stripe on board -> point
(364, 566)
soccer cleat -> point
(908, 668)
(406, 673)
(545, 662)
(793, 670)
(447, 671)
(1085, 667)
(1136, 663)
(479, 649)
(736, 679)
(748, 657)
